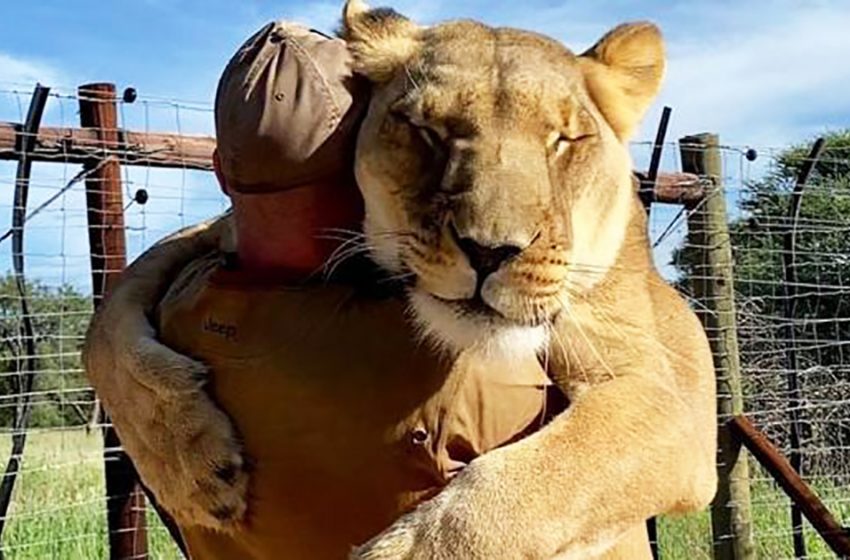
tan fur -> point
(623, 72)
(385, 46)
(506, 138)
(184, 447)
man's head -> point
(286, 112)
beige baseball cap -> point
(287, 110)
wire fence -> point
(791, 325)
(58, 508)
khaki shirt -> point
(348, 418)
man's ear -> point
(219, 174)
(381, 40)
(623, 74)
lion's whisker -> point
(341, 256)
(341, 249)
(344, 231)
(338, 257)
(398, 276)
(575, 322)
(361, 235)
(566, 357)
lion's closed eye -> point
(573, 138)
(432, 137)
(560, 141)
(579, 127)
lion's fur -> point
(180, 442)
(507, 138)
(510, 139)
(528, 157)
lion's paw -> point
(471, 519)
(213, 470)
(188, 454)
(202, 476)
(434, 531)
(397, 543)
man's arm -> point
(185, 449)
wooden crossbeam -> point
(160, 149)
(79, 145)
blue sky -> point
(761, 73)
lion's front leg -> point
(632, 545)
(626, 450)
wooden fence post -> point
(105, 211)
(713, 285)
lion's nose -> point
(486, 260)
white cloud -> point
(323, 16)
(759, 73)
(326, 15)
(18, 77)
(16, 71)
(779, 80)
(56, 239)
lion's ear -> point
(623, 73)
(381, 40)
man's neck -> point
(290, 233)
(296, 254)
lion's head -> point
(494, 166)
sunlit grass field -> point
(689, 537)
(58, 510)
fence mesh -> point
(58, 508)
(790, 329)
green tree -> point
(822, 317)
(60, 316)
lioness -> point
(496, 178)
(494, 167)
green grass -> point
(58, 510)
(689, 537)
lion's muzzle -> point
(484, 258)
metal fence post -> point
(713, 285)
(105, 211)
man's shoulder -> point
(192, 279)
(215, 309)
(183, 299)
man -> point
(347, 420)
